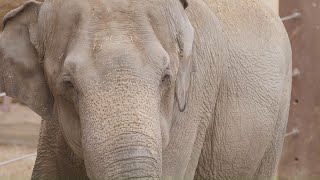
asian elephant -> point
(156, 89)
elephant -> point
(151, 89)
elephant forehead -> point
(101, 12)
(95, 7)
(88, 36)
(116, 4)
(113, 21)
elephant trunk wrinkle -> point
(121, 132)
(134, 161)
(125, 155)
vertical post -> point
(6, 104)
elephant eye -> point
(69, 84)
(166, 76)
(67, 81)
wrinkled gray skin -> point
(146, 88)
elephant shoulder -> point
(259, 51)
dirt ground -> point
(19, 131)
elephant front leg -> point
(55, 160)
(45, 166)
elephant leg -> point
(245, 137)
(45, 166)
(270, 161)
(55, 160)
(231, 153)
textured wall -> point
(301, 152)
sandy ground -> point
(17, 170)
(19, 131)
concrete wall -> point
(301, 152)
(274, 4)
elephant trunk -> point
(121, 134)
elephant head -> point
(112, 73)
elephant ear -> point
(21, 75)
(185, 42)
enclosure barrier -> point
(291, 16)
(295, 131)
(18, 159)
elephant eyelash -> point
(67, 81)
(166, 78)
(69, 84)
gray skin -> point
(149, 89)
